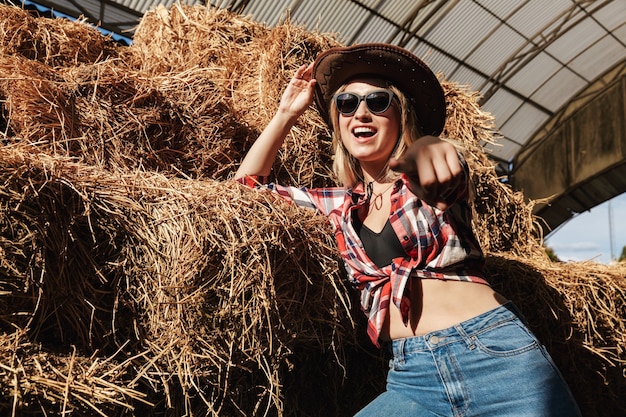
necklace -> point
(377, 202)
(370, 190)
(369, 186)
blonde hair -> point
(346, 167)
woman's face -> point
(369, 137)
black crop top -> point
(381, 247)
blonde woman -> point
(402, 224)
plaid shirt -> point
(438, 244)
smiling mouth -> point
(363, 132)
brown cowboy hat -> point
(336, 66)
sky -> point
(588, 235)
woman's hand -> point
(434, 170)
(298, 94)
(296, 98)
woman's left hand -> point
(433, 168)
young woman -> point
(402, 223)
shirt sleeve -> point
(322, 200)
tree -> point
(552, 255)
(622, 257)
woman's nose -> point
(362, 110)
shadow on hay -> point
(598, 389)
(4, 123)
(327, 383)
(59, 268)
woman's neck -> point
(376, 181)
(375, 174)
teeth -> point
(363, 130)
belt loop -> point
(470, 341)
(398, 350)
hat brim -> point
(336, 66)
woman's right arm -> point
(296, 98)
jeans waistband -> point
(463, 331)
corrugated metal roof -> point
(502, 9)
(500, 43)
(605, 53)
(542, 67)
(538, 17)
(272, 15)
(470, 78)
(504, 104)
(460, 43)
(556, 91)
(517, 125)
(584, 34)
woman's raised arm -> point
(296, 98)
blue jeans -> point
(490, 365)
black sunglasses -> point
(377, 101)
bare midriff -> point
(437, 304)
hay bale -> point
(188, 102)
(179, 38)
(252, 63)
(32, 104)
(38, 382)
(203, 284)
(54, 42)
(112, 116)
(128, 264)
(578, 310)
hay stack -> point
(136, 280)
(200, 284)
(62, 44)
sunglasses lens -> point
(347, 103)
(378, 101)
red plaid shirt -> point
(438, 244)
